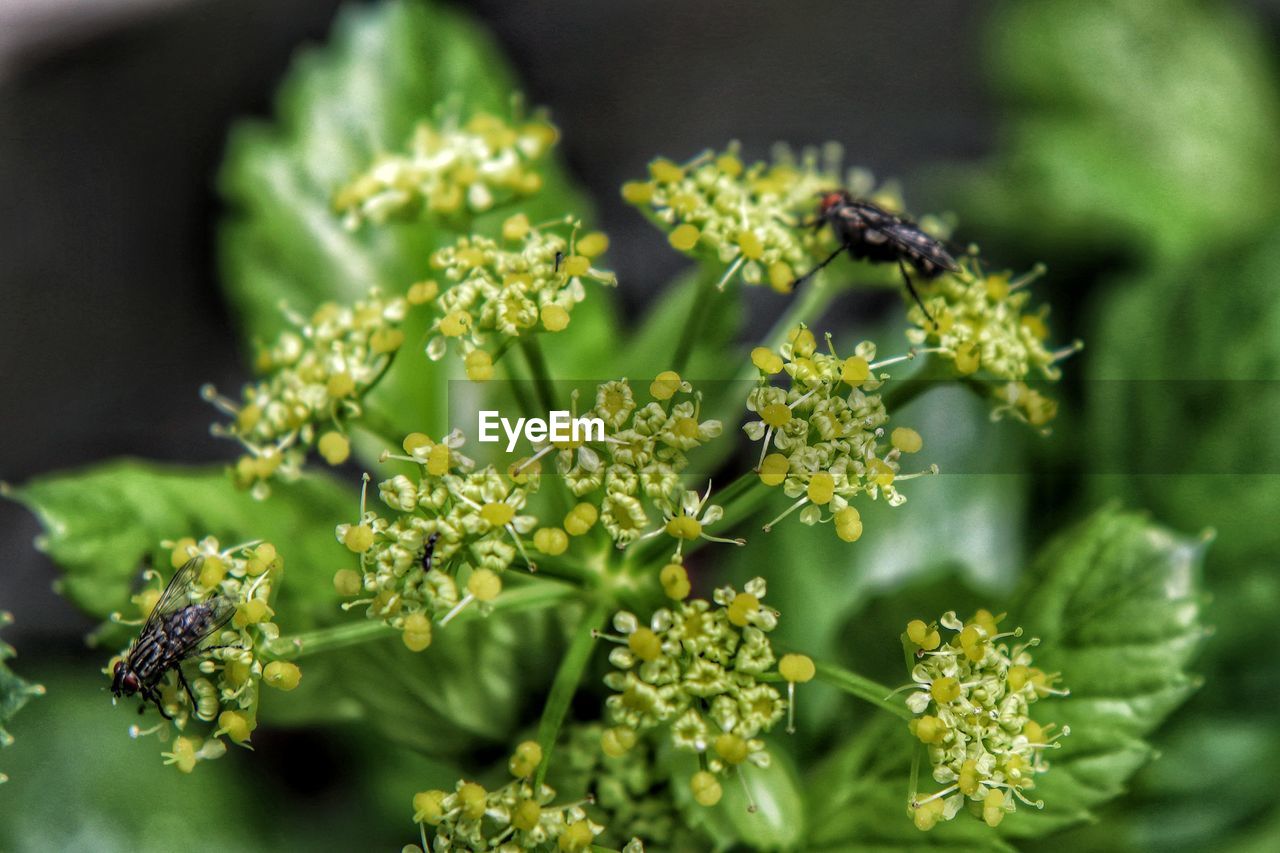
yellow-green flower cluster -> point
(751, 218)
(982, 325)
(631, 792)
(498, 290)
(823, 437)
(454, 531)
(519, 816)
(451, 169)
(639, 460)
(971, 696)
(315, 377)
(227, 689)
(698, 670)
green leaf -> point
(80, 782)
(100, 522)
(1127, 129)
(473, 686)
(14, 691)
(778, 821)
(468, 686)
(1188, 352)
(1187, 359)
(652, 345)
(386, 68)
(1116, 605)
(858, 799)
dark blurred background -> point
(113, 117)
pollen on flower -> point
(452, 531)
(497, 292)
(417, 632)
(422, 292)
(636, 464)
(907, 440)
(675, 581)
(551, 541)
(334, 447)
(971, 700)
(581, 519)
(617, 741)
(516, 816)
(317, 374)
(451, 166)
(525, 760)
(821, 427)
(237, 725)
(282, 675)
(982, 325)
(748, 217)
(479, 366)
(665, 386)
(700, 672)
(484, 584)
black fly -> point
(172, 632)
(870, 233)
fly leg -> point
(154, 695)
(911, 288)
(182, 679)
(811, 272)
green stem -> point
(570, 571)
(805, 308)
(542, 384)
(565, 685)
(696, 318)
(530, 597)
(377, 424)
(864, 688)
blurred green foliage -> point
(1128, 128)
(1151, 136)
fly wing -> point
(176, 594)
(221, 609)
(913, 243)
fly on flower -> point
(173, 632)
(870, 233)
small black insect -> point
(870, 233)
(429, 551)
(172, 633)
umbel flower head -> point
(635, 469)
(982, 325)
(519, 816)
(451, 169)
(453, 531)
(972, 696)
(823, 437)
(227, 690)
(751, 218)
(315, 376)
(498, 290)
(699, 671)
